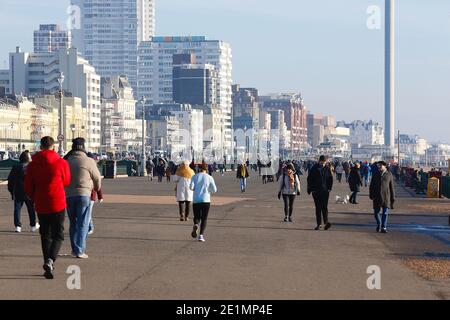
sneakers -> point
(201, 238)
(285, 219)
(194, 231)
(318, 227)
(48, 268)
(35, 228)
(290, 219)
(378, 228)
(91, 231)
(18, 230)
(384, 230)
(327, 226)
(82, 256)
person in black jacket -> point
(242, 174)
(355, 182)
(383, 196)
(16, 180)
(320, 184)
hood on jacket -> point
(78, 154)
(46, 156)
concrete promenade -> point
(140, 249)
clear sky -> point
(321, 48)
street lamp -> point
(143, 157)
(60, 121)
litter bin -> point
(110, 169)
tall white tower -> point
(390, 74)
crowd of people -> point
(50, 185)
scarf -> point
(291, 176)
(185, 172)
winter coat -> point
(382, 190)
(285, 185)
(239, 173)
(355, 180)
(16, 180)
(315, 179)
(46, 177)
(161, 170)
(85, 175)
(184, 193)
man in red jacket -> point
(46, 177)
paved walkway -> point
(141, 251)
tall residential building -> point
(246, 108)
(4, 82)
(50, 38)
(294, 115)
(155, 72)
(110, 31)
(192, 83)
(35, 74)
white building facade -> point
(110, 32)
(191, 126)
(366, 133)
(121, 131)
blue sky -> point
(321, 48)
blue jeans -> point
(381, 216)
(243, 183)
(366, 180)
(78, 210)
(18, 204)
(91, 223)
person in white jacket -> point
(184, 194)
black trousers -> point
(184, 208)
(288, 204)
(201, 211)
(52, 234)
(321, 202)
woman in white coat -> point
(184, 194)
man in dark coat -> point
(383, 195)
(355, 182)
(161, 169)
(320, 183)
(16, 180)
(242, 174)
